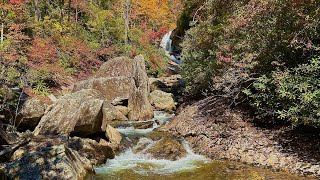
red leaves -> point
(42, 52)
(16, 2)
(154, 36)
(224, 58)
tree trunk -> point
(61, 11)
(36, 10)
(2, 28)
(126, 22)
(76, 15)
(69, 10)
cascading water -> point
(166, 44)
(141, 163)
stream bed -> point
(131, 164)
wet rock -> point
(142, 145)
(123, 109)
(120, 66)
(110, 87)
(30, 114)
(139, 105)
(167, 148)
(113, 135)
(110, 113)
(162, 100)
(77, 113)
(143, 125)
(134, 124)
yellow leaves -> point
(155, 12)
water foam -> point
(145, 164)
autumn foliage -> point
(261, 53)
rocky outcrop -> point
(110, 87)
(121, 79)
(120, 66)
(31, 112)
(139, 105)
(57, 158)
(77, 113)
(213, 129)
(162, 100)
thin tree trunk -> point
(76, 14)
(61, 11)
(36, 10)
(126, 22)
(69, 10)
(2, 28)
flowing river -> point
(133, 165)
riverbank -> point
(215, 130)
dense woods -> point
(49, 44)
(263, 53)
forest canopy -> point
(45, 45)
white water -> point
(136, 159)
(166, 44)
(158, 115)
(144, 164)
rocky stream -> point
(121, 124)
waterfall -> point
(166, 44)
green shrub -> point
(259, 49)
(292, 95)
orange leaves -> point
(155, 12)
(16, 2)
(42, 51)
(43, 54)
(153, 36)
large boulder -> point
(162, 100)
(79, 113)
(110, 87)
(30, 113)
(120, 66)
(54, 162)
(122, 78)
(57, 158)
(138, 104)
